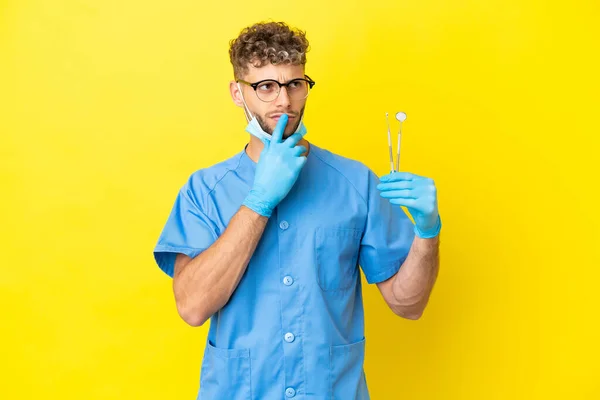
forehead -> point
(280, 73)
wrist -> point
(255, 202)
(430, 232)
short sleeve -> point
(387, 237)
(188, 230)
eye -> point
(295, 84)
(266, 86)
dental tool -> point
(401, 117)
(390, 142)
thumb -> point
(266, 143)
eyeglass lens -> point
(269, 90)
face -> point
(267, 113)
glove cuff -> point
(431, 233)
(256, 204)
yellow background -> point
(108, 106)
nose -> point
(283, 100)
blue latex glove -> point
(419, 195)
(277, 170)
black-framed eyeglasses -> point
(268, 90)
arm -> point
(408, 291)
(204, 284)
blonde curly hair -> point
(267, 42)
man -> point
(267, 244)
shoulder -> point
(201, 182)
(355, 171)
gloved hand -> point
(277, 170)
(419, 195)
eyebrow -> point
(273, 79)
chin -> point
(288, 134)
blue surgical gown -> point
(294, 326)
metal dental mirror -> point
(401, 117)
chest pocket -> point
(336, 253)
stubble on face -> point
(269, 130)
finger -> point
(393, 194)
(395, 185)
(404, 202)
(294, 139)
(299, 150)
(279, 128)
(301, 160)
(265, 142)
(398, 176)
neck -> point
(256, 146)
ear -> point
(236, 96)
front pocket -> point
(225, 374)
(336, 252)
(346, 374)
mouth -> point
(275, 117)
